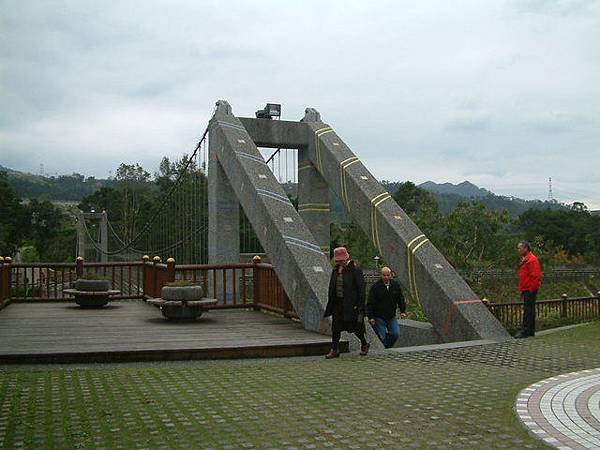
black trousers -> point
(339, 324)
(356, 328)
(529, 312)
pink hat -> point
(340, 254)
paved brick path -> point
(448, 399)
(564, 411)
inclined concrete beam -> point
(301, 266)
(449, 303)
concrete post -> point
(104, 236)
(313, 191)
(223, 209)
(313, 201)
(80, 234)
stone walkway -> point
(442, 399)
(564, 411)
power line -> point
(159, 209)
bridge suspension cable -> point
(178, 226)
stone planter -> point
(92, 293)
(181, 293)
(92, 285)
(182, 302)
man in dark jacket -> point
(530, 280)
(385, 297)
(346, 302)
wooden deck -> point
(132, 330)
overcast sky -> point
(501, 93)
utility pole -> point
(550, 195)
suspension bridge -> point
(231, 197)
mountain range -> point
(75, 186)
(465, 189)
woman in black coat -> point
(346, 302)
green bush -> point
(91, 275)
(415, 312)
(554, 320)
(29, 254)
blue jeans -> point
(388, 331)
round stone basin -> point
(92, 293)
(182, 302)
(179, 311)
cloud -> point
(468, 123)
(493, 92)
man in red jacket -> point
(530, 279)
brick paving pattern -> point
(440, 399)
(564, 411)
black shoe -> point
(521, 335)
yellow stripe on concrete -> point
(343, 166)
(375, 202)
(320, 132)
(412, 275)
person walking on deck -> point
(346, 302)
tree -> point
(104, 199)
(413, 199)
(473, 235)
(13, 219)
(50, 231)
(575, 230)
(359, 245)
(133, 182)
(422, 208)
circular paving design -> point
(564, 411)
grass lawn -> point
(440, 399)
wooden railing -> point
(269, 294)
(241, 285)
(5, 273)
(47, 281)
(553, 273)
(564, 310)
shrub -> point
(90, 275)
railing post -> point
(256, 281)
(79, 267)
(8, 268)
(170, 270)
(598, 305)
(155, 261)
(563, 305)
(3, 281)
(145, 277)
